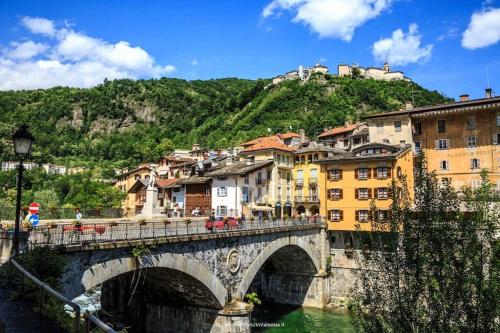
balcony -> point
(313, 199)
(300, 198)
(299, 181)
(313, 181)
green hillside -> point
(125, 122)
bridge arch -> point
(267, 252)
(107, 270)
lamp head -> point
(22, 141)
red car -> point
(221, 223)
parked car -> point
(222, 223)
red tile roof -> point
(269, 142)
(289, 135)
(283, 136)
(339, 130)
(165, 182)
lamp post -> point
(22, 145)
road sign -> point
(34, 208)
(34, 219)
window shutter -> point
(370, 215)
(369, 193)
(448, 143)
(356, 214)
(356, 173)
(494, 139)
(356, 195)
(389, 193)
(341, 194)
(472, 163)
(376, 192)
(369, 173)
(436, 144)
(388, 214)
(340, 174)
(389, 172)
(341, 215)
(330, 215)
(375, 173)
(329, 194)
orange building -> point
(126, 181)
(352, 180)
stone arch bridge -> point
(195, 283)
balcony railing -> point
(313, 198)
(313, 181)
(300, 198)
(299, 181)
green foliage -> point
(141, 250)
(440, 272)
(253, 298)
(124, 122)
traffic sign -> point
(34, 219)
(34, 208)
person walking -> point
(78, 215)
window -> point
(336, 215)
(382, 215)
(496, 139)
(444, 165)
(268, 175)
(300, 178)
(380, 127)
(362, 215)
(288, 177)
(335, 194)
(245, 195)
(417, 128)
(362, 193)
(221, 210)
(247, 179)
(259, 194)
(259, 178)
(471, 122)
(382, 193)
(397, 126)
(402, 142)
(471, 142)
(441, 126)
(137, 177)
(383, 172)
(222, 178)
(418, 146)
(314, 173)
(474, 163)
(335, 174)
(222, 191)
(442, 144)
(362, 173)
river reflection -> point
(292, 319)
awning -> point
(262, 208)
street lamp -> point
(22, 145)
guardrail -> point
(69, 234)
(90, 319)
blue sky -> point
(443, 45)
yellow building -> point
(351, 180)
(278, 181)
(458, 139)
(124, 182)
(306, 172)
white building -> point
(54, 169)
(302, 73)
(12, 165)
(241, 187)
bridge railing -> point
(91, 320)
(69, 234)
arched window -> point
(309, 158)
(315, 157)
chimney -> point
(464, 97)
(489, 92)
(408, 106)
(302, 135)
(250, 160)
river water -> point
(285, 319)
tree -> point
(46, 198)
(440, 270)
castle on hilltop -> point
(376, 73)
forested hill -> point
(125, 122)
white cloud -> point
(39, 25)
(194, 62)
(330, 18)
(483, 29)
(402, 48)
(24, 50)
(73, 59)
